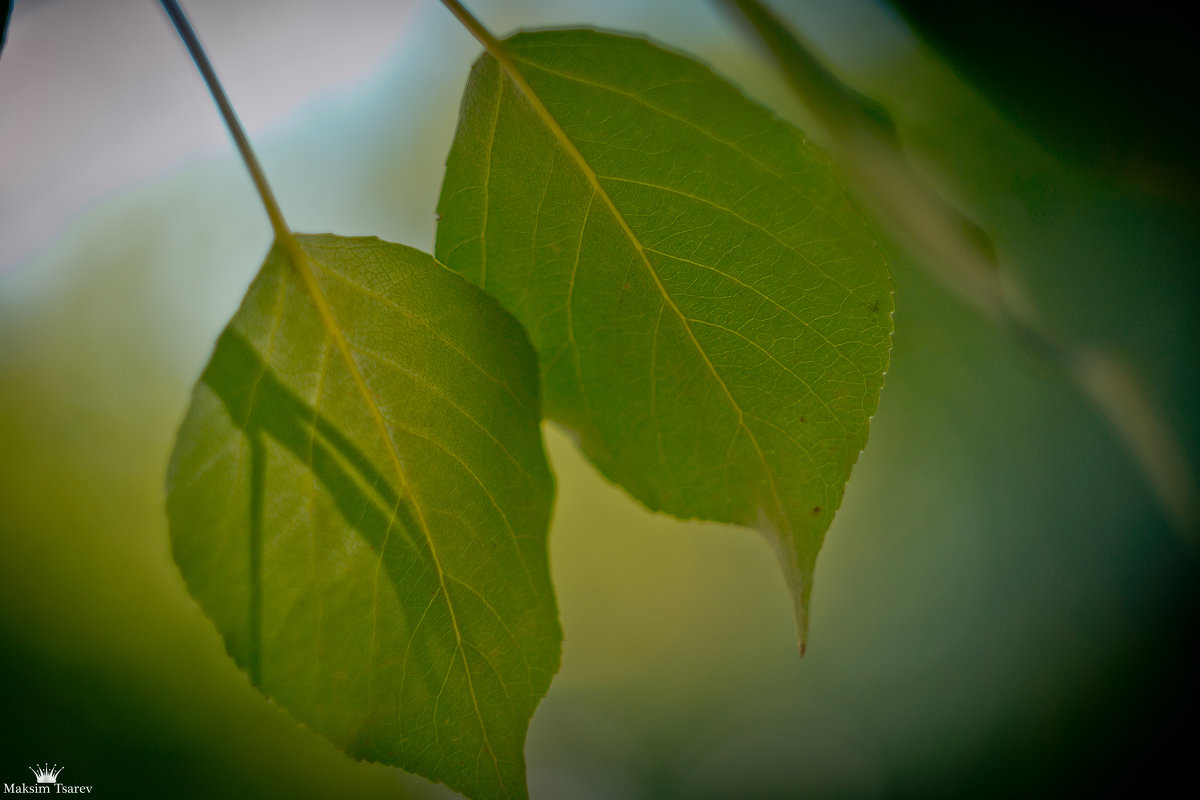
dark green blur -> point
(1000, 608)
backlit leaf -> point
(712, 317)
(359, 499)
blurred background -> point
(1001, 607)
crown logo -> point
(45, 773)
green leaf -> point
(359, 498)
(712, 316)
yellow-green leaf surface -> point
(359, 499)
(712, 316)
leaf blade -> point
(687, 268)
(360, 564)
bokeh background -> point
(1001, 608)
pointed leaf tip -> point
(712, 315)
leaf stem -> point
(232, 123)
(471, 23)
(497, 51)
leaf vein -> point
(729, 211)
(598, 190)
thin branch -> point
(196, 50)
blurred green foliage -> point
(1103, 88)
(1000, 608)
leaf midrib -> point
(299, 260)
(505, 60)
(732, 145)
